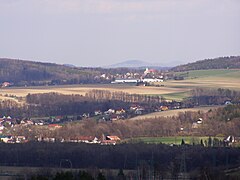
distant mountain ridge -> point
(231, 62)
(135, 64)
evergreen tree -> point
(121, 175)
(183, 142)
(209, 142)
(101, 176)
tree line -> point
(123, 96)
(143, 160)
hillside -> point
(232, 62)
(20, 72)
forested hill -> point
(231, 62)
(20, 72)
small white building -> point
(199, 121)
(130, 80)
(151, 80)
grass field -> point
(177, 140)
(178, 96)
(173, 112)
(228, 79)
(174, 90)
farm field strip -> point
(84, 89)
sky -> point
(104, 32)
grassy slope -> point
(171, 140)
(231, 73)
(173, 112)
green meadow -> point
(177, 140)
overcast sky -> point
(103, 32)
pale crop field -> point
(83, 89)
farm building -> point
(130, 80)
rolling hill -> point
(21, 72)
(232, 62)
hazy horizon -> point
(105, 32)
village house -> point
(26, 122)
(83, 139)
(113, 117)
(194, 125)
(139, 110)
(46, 139)
(20, 139)
(13, 139)
(121, 111)
(113, 138)
(1, 128)
(151, 80)
(127, 80)
(199, 121)
(149, 71)
(54, 126)
(86, 115)
(97, 112)
(6, 139)
(108, 142)
(109, 111)
(229, 141)
(228, 103)
(6, 84)
(163, 108)
(133, 107)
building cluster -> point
(104, 140)
(148, 76)
(13, 139)
(7, 122)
